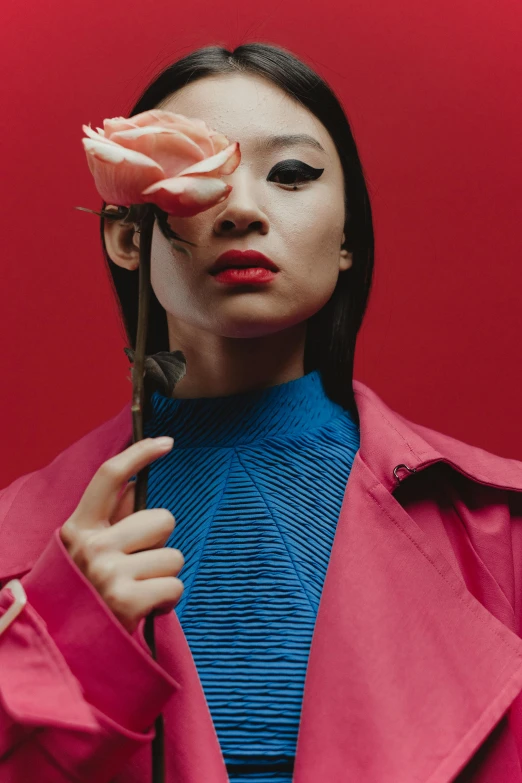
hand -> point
(122, 553)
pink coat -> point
(415, 669)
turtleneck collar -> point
(238, 419)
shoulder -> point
(388, 437)
(34, 504)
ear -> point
(123, 243)
(345, 257)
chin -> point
(257, 329)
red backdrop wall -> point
(433, 95)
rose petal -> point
(146, 159)
(186, 196)
(117, 123)
(145, 118)
(219, 141)
(225, 162)
(93, 135)
(170, 148)
(194, 128)
(197, 131)
(120, 174)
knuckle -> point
(118, 598)
(92, 546)
(67, 534)
(110, 469)
(103, 571)
(87, 549)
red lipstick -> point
(241, 267)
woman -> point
(294, 501)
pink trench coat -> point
(415, 669)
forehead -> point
(246, 108)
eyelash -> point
(308, 173)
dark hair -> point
(332, 331)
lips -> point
(242, 259)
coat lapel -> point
(408, 672)
(192, 749)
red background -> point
(433, 95)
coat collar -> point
(389, 440)
(408, 672)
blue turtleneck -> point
(256, 482)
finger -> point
(149, 594)
(154, 563)
(126, 503)
(146, 529)
(100, 499)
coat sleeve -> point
(78, 693)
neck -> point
(219, 366)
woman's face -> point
(299, 228)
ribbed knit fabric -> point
(255, 482)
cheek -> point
(318, 249)
(170, 267)
(312, 283)
(317, 224)
(170, 278)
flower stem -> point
(138, 404)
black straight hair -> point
(332, 331)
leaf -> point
(163, 370)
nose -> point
(240, 211)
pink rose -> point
(161, 157)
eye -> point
(295, 171)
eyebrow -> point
(269, 143)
